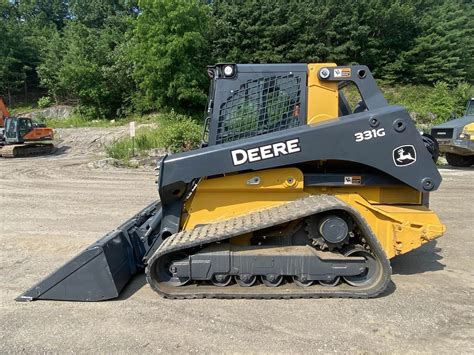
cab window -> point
(470, 109)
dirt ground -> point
(52, 207)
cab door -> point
(12, 133)
(25, 126)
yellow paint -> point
(231, 196)
(323, 96)
(394, 214)
(375, 195)
(398, 228)
(469, 129)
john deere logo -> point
(404, 155)
(242, 156)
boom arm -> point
(3, 112)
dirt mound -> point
(88, 141)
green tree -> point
(444, 48)
(44, 13)
(170, 53)
(86, 60)
(51, 54)
(18, 53)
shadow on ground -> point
(61, 150)
(450, 167)
(424, 259)
(133, 286)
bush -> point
(180, 136)
(440, 102)
(176, 133)
(44, 102)
(428, 105)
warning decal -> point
(342, 72)
(352, 180)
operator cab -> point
(470, 107)
(16, 128)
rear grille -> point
(261, 106)
(440, 133)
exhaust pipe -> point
(102, 270)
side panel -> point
(39, 134)
(334, 140)
(400, 224)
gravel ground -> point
(52, 207)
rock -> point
(107, 162)
(133, 163)
(56, 112)
(157, 152)
(442, 161)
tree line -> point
(114, 57)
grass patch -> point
(175, 133)
(19, 110)
(75, 121)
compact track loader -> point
(292, 195)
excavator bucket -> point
(102, 270)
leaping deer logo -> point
(402, 156)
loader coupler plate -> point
(102, 270)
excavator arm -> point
(3, 112)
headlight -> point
(228, 70)
(464, 136)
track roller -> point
(245, 280)
(301, 281)
(272, 280)
(330, 283)
(221, 280)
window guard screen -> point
(260, 106)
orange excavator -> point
(22, 136)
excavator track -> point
(26, 150)
(205, 235)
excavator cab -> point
(16, 128)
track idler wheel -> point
(167, 271)
(370, 272)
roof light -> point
(228, 70)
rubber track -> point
(251, 222)
(25, 150)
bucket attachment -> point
(102, 270)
